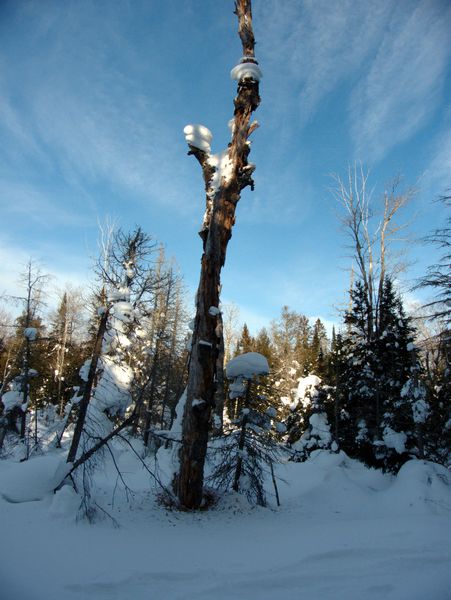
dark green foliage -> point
(375, 413)
(246, 342)
(245, 455)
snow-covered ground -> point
(342, 532)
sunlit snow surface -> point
(342, 532)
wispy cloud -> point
(439, 170)
(405, 80)
(86, 110)
(317, 44)
(26, 201)
(14, 126)
(390, 58)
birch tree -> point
(225, 175)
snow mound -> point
(65, 503)
(333, 483)
(11, 399)
(247, 365)
(31, 480)
(421, 486)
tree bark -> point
(216, 233)
(83, 405)
(242, 441)
(220, 384)
(87, 455)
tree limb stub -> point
(216, 233)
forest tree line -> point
(384, 390)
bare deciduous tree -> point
(438, 276)
(371, 235)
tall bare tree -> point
(33, 281)
(225, 175)
(438, 276)
(371, 234)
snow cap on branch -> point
(198, 136)
(246, 69)
(30, 333)
(247, 366)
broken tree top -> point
(247, 365)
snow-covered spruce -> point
(308, 425)
(243, 457)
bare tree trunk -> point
(26, 373)
(4, 416)
(220, 388)
(171, 355)
(216, 233)
(60, 366)
(242, 441)
(3, 425)
(151, 399)
(143, 418)
(83, 405)
(87, 455)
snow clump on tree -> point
(247, 68)
(199, 137)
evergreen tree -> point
(358, 390)
(263, 345)
(376, 414)
(65, 350)
(316, 430)
(319, 349)
(394, 346)
(246, 342)
(290, 336)
(244, 456)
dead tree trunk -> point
(223, 186)
(242, 440)
(218, 418)
(84, 402)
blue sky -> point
(94, 96)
